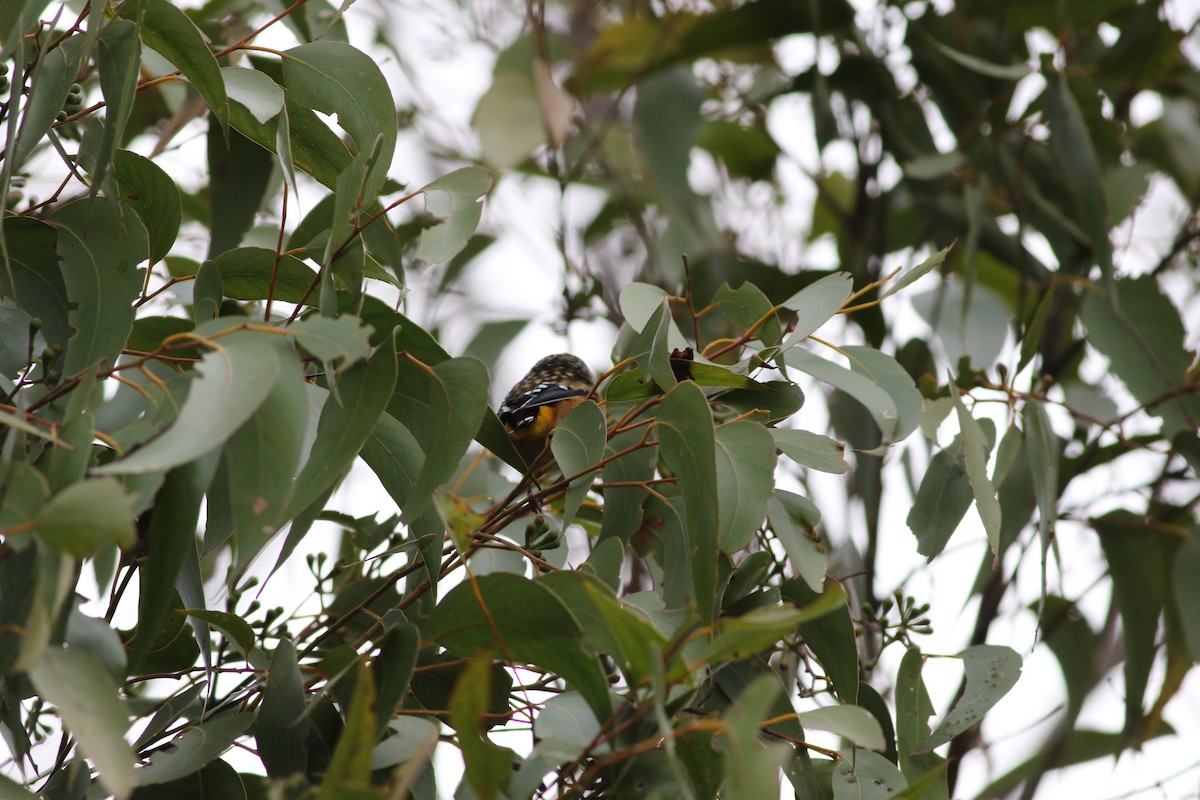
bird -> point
(539, 401)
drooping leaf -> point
(752, 768)
(488, 766)
(1138, 558)
(1075, 151)
(350, 767)
(282, 724)
(1144, 342)
(119, 57)
(863, 388)
(975, 452)
(688, 445)
(829, 635)
(944, 495)
(171, 535)
(745, 462)
(91, 709)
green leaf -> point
(154, 197)
(566, 728)
(455, 200)
(91, 709)
(195, 748)
(811, 450)
(610, 626)
(975, 450)
(283, 724)
(752, 769)
(745, 306)
(853, 723)
(816, 304)
(623, 504)
(263, 455)
(32, 276)
(862, 388)
(349, 769)
(528, 621)
(829, 635)
(1187, 591)
(745, 462)
(207, 295)
(578, 443)
(913, 710)
(100, 249)
(738, 638)
(1138, 560)
(347, 419)
(11, 790)
(887, 373)
(991, 671)
(1072, 145)
(247, 273)
(488, 766)
(455, 399)
(313, 147)
(240, 173)
(170, 537)
(807, 553)
(17, 423)
(87, 515)
(233, 626)
(666, 121)
(119, 56)
(233, 381)
(1043, 459)
(393, 670)
(255, 91)
(335, 78)
(14, 338)
(944, 495)
(51, 81)
(26, 490)
(330, 338)
(1145, 344)
(864, 775)
(174, 36)
(688, 445)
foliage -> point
(666, 612)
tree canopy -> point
(898, 411)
